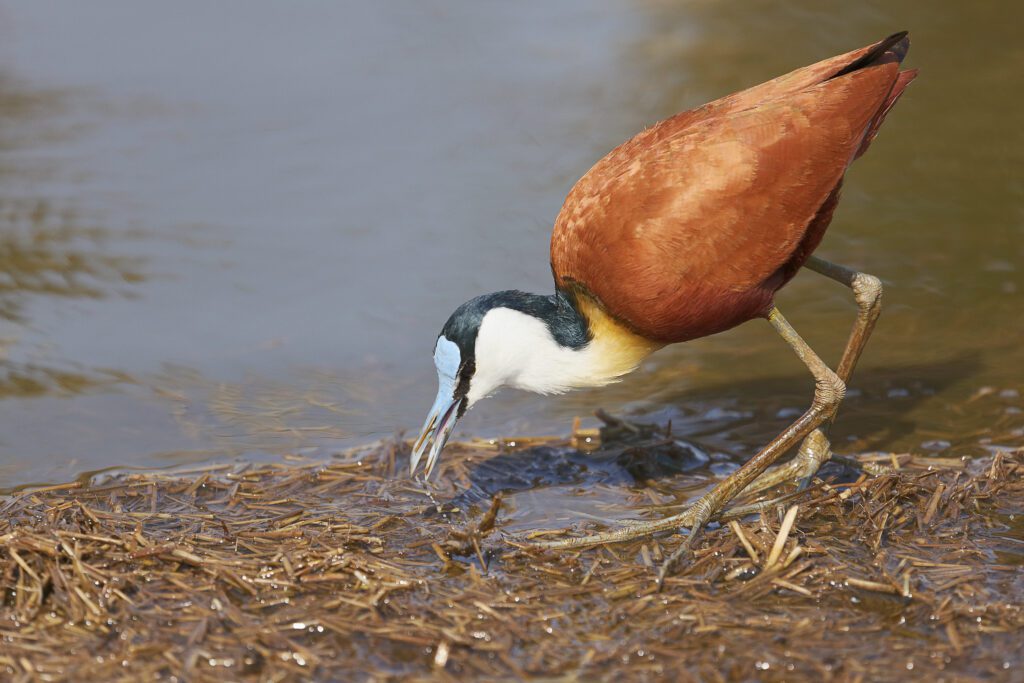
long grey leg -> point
(828, 393)
(815, 449)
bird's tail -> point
(892, 49)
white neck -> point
(518, 350)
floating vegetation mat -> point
(349, 570)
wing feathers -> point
(682, 229)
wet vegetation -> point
(349, 570)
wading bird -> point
(686, 230)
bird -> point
(686, 230)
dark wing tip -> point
(897, 45)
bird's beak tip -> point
(436, 430)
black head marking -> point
(559, 312)
(567, 325)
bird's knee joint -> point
(829, 392)
(867, 290)
(815, 448)
(703, 510)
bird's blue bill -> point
(436, 430)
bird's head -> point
(507, 338)
(543, 344)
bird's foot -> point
(814, 452)
(694, 517)
(801, 469)
(629, 531)
(684, 549)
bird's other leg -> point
(867, 291)
(815, 449)
(828, 393)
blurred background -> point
(234, 229)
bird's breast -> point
(615, 348)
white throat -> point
(518, 350)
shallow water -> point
(235, 230)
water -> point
(235, 229)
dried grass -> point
(346, 571)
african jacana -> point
(688, 229)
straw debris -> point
(344, 570)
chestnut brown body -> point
(690, 228)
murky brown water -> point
(228, 232)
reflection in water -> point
(258, 414)
(49, 253)
(46, 249)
